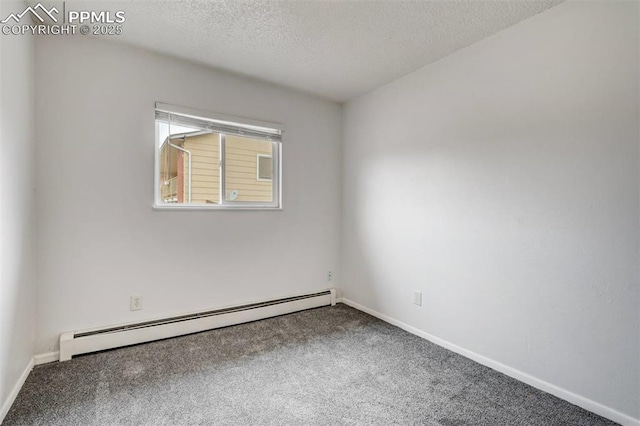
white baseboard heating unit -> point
(82, 342)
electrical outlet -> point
(417, 298)
(329, 276)
(136, 303)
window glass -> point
(202, 162)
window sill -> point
(168, 207)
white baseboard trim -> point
(569, 396)
(16, 389)
(46, 358)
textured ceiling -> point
(334, 49)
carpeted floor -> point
(326, 366)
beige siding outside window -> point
(242, 169)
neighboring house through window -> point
(210, 161)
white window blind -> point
(173, 115)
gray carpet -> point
(325, 366)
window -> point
(265, 167)
(210, 161)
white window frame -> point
(258, 178)
(224, 204)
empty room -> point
(320, 212)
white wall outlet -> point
(417, 298)
(329, 276)
(136, 303)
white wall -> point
(17, 277)
(503, 183)
(100, 241)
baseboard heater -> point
(82, 342)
